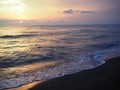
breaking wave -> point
(17, 36)
(78, 63)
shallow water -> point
(30, 53)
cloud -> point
(87, 11)
(71, 11)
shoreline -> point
(26, 86)
(101, 77)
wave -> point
(77, 64)
(17, 36)
(106, 45)
(109, 45)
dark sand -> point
(104, 77)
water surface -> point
(30, 53)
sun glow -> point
(14, 7)
(21, 21)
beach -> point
(102, 77)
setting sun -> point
(21, 21)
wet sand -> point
(28, 86)
(104, 77)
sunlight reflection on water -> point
(30, 49)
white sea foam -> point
(79, 63)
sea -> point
(43, 52)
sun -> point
(21, 21)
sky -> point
(52, 12)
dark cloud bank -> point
(72, 11)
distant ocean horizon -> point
(40, 52)
(23, 24)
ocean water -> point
(31, 53)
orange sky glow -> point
(76, 11)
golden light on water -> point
(31, 67)
(28, 86)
